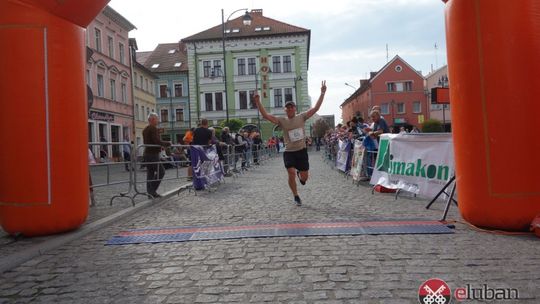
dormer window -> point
(258, 29)
(155, 65)
(236, 30)
(172, 51)
(177, 65)
(266, 28)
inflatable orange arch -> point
(44, 159)
(493, 47)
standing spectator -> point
(227, 139)
(154, 169)
(188, 139)
(202, 136)
(126, 151)
(257, 143)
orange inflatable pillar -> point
(493, 48)
(43, 121)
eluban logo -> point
(416, 168)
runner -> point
(295, 156)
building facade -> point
(168, 62)
(144, 95)
(398, 89)
(227, 66)
(108, 74)
(441, 112)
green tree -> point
(432, 126)
(234, 124)
(320, 126)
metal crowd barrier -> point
(235, 162)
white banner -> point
(418, 163)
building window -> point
(146, 84)
(121, 53)
(141, 80)
(98, 39)
(399, 86)
(243, 100)
(179, 114)
(401, 108)
(164, 115)
(208, 102)
(113, 89)
(124, 92)
(163, 91)
(100, 87)
(217, 68)
(111, 46)
(384, 109)
(276, 64)
(241, 66)
(390, 87)
(135, 79)
(287, 64)
(137, 111)
(288, 94)
(278, 98)
(417, 107)
(252, 68)
(219, 101)
(178, 90)
(142, 113)
(207, 67)
(408, 86)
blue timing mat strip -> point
(184, 234)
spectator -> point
(154, 170)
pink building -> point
(398, 89)
(108, 74)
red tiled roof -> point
(167, 55)
(257, 28)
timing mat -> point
(204, 233)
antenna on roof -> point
(436, 59)
(387, 52)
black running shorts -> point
(296, 159)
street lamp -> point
(296, 80)
(172, 117)
(351, 86)
(247, 21)
(443, 83)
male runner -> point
(295, 156)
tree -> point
(432, 126)
(234, 124)
(320, 126)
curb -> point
(16, 259)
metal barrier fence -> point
(369, 158)
(236, 160)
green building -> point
(228, 62)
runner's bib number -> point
(296, 134)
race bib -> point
(296, 134)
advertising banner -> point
(342, 159)
(357, 161)
(419, 163)
(207, 169)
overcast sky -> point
(348, 37)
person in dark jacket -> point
(154, 170)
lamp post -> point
(172, 117)
(351, 86)
(246, 21)
(443, 83)
(296, 80)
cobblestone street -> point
(334, 269)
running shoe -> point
(297, 200)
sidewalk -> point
(337, 269)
